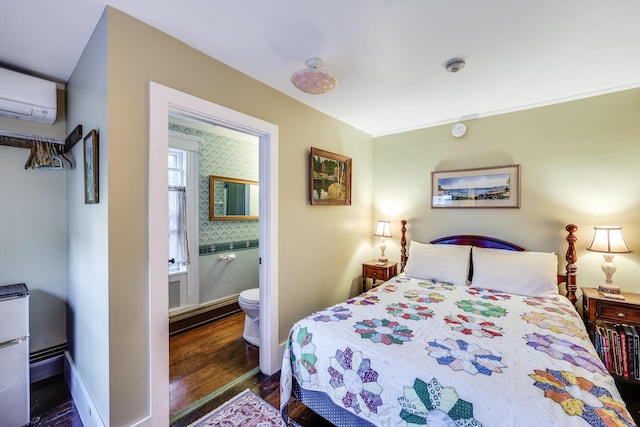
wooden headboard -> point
(569, 278)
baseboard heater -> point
(47, 362)
(191, 319)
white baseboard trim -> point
(147, 422)
(85, 406)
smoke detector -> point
(458, 130)
(454, 65)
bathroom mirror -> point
(232, 199)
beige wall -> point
(311, 237)
(579, 164)
(320, 247)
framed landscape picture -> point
(330, 178)
(91, 168)
(496, 187)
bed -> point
(473, 332)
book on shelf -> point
(636, 352)
(618, 346)
(601, 343)
(631, 360)
(615, 349)
(624, 364)
(607, 350)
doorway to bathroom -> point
(165, 101)
(213, 259)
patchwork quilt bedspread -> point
(417, 352)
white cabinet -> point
(14, 355)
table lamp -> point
(383, 230)
(609, 240)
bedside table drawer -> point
(617, 313)
(378, 273)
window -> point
(178, 247)
(177, 167)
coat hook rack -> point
(73, 138)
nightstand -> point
(375, 270)
(597, 308)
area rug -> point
(247, 409)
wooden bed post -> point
(403, 245)
(571, 267)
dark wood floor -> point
(204, 359)
(211, 364)
(208, 366)
(52, 405)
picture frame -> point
(90, 145)
(492, 187)
(329, 178)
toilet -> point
(249, 301)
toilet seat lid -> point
(251, 295)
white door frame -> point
(162, 101)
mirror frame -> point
(212, 215)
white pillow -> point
(446, 263)
(523, 273)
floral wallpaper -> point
(223, 155)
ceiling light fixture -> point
(454, 65)
(313, 80)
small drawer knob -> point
(621, 314)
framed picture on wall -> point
(330, 178)
(91, 167)
(496, 187)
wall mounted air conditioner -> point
(26, 97)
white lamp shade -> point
(608, 239)
(383, 229)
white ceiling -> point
(387, 55)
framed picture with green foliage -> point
(330, 178)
